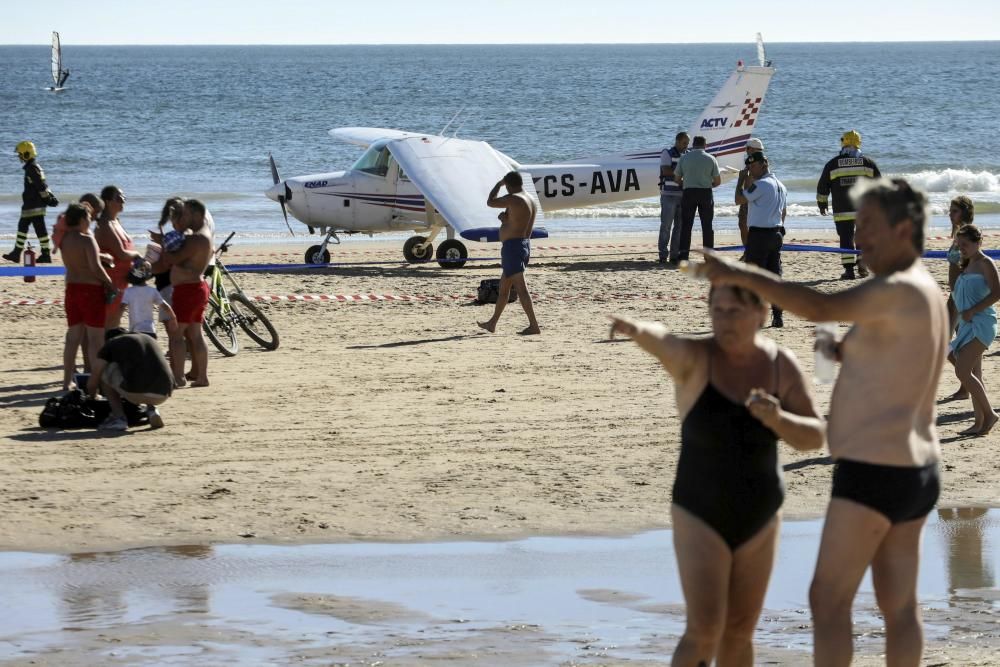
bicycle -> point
(227, 311)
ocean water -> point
(200, 121)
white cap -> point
(756, 144)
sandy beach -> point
(400, 420)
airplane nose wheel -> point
(416, 249)
(451, 254)
(317, 254)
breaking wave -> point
(935, 181)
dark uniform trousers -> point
(763, 249)
(845, 230)
(700, 201)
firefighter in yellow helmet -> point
(838, 176)
(34, 199)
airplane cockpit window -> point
(375, 161)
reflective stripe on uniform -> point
(32, 212)
(822, 199)
(844, 217)
(843, 172)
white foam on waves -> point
(955, 180)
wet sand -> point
(401, 421)
(540, 601)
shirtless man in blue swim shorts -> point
(516, 223)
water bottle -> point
(824, 351)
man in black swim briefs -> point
(881, 430)
(516, 223)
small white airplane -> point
(433, 183)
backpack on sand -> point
(74, 409)
(489, 291)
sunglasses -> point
(120, 197)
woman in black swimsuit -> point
(737, 393)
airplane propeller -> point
(281, 198)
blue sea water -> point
(200, 121)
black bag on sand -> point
(489, 291)
(74, 409)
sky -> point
(494, 21)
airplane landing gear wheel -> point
(314, 256)
(451, 254)
(411, 250)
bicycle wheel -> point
(221, 330)
(253, 321)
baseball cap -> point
(756, 144)
(756, 156)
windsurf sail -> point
(56, 59)
(761, 53)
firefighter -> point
(838, 176)
(34, 199)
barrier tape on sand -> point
(402, 298)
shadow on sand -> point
(815, 461)
(420, 341)
(39, 434)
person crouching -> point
(132, 367)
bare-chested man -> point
(190, 294)
(516, 223)
(881, 429)
(87, 284)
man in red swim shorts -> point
(87, 284)
(187, 268)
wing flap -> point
(455, 176)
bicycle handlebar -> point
(225, 244)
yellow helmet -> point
(26, 151)
(851, 138)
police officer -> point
(755, 145)
(766, 199)
(838, 176)
(34, 199)
(670, 201)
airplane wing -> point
(366, 136)
(455, 176)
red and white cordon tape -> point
(418, 298)
(32, 302)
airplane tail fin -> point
(727, 123)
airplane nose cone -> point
(275, 191)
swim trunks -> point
(84, 304)
(514, 256)
(189, 301)
(899, 493)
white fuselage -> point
(358, 201)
